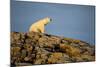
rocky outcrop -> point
(33, 48)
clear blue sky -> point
(73, 21)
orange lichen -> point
(70, 50)
(76, 41)
(57, 56)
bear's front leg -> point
(42, 29)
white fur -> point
(39, 25)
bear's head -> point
(47, 20)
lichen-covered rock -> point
(33, 48)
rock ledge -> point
(33, 48)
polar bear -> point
(39, 25)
